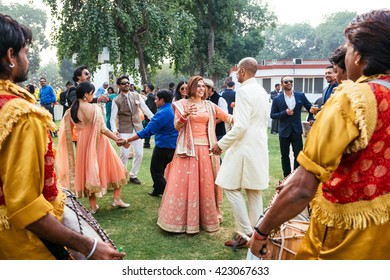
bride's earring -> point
(11, 65)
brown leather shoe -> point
(239, 243)
(135, 181)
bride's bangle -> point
(183, 120)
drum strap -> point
(58, 251)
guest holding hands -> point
(162, 126)
(96, 166)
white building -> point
(308, 75)
(106, 74)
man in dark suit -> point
(229, 95)
(64, 97)
(287, 108)
(150, 98)
(330, 77)
(275, 122)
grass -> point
(135, 229)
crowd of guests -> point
(341, 170)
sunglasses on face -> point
(125, 83)
(183, 88)
(288, 81)
(87, 73)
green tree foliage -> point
(51, 72)
(144, 30)
(329, 34)
(304, 41)
(66, 70)
(36, 20)
(289, 41)
(166, 75)
(227, 31)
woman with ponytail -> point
(95, 167)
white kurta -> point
(245, 164)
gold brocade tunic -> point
(350, 220)
(23, 145)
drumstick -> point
(263, 250)
(235, 242)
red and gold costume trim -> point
(15, 102)
(358, 192)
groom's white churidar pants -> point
(244, 221)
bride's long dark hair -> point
(81, 89)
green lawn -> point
(135, 228)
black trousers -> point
(161, 157)
(50, 108)
(274, 125)
(146, 140)
(295, 140)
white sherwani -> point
(245, 164)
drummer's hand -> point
(105, 251)
(279, 188)
(258, 247)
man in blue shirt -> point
(47, 98)
(162, 126)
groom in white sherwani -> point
(245, 165)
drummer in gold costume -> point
(31, 204)
(345, 163)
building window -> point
(308, 85)
(267, 85)
(298, 84)
(318, 85)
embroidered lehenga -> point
(191, 200)
(95, 167)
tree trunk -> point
(210, 45)
(142, 66)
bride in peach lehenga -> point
(191, 199)
(95, 167)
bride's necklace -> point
(199, 105)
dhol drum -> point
(284, 243)
(79, 219)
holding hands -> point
(216, 150)
(121, 142)
(103, 98)
(126, 142)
